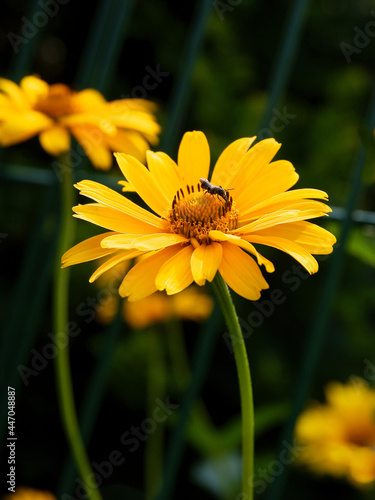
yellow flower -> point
(25, 493)
(190, 234)
(339, 437)
(54, 112)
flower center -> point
(195, 213)
(58, 102)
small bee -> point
(212, 189)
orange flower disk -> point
(191, 233)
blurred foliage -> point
(326, 101)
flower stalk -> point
(60, 326)
(246, 392)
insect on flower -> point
(212, 189)
(190, 235)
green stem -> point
(244, 377)
(61, 325)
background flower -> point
(55, 111)
(339, 437)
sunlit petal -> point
(241, 272)
(205, 262)
(193, 158)
(175, 275)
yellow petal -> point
(286, 200)
(163, 170)
(115, 220)
(241, 272)
(120, 241)
(136, 120)
(86, 250)
(88, 99)
(236, 240)
(228, 162)
(175, 275)
(143, 182)
(140, 280)
(274, 178)
(158, 241)
(298, 252)
(120, 106)
(106, 196)
(22, 127)
(94, 145)
(313, 238)
(7, 109)
(14, 93)
(129, 142)
(91, 121)
(302, 210)
(145, 243)
(34, 89)
(55, 140)
(193, 158)
(128, 188)
(112, 262)
(205, 262)
(251, 164)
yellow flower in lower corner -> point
(55, 111)
(195, 229)
(339, 438)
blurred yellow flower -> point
(191, 304)
(55, 111)
(196, 229)
(339, 437)
(25, 493)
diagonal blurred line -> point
(104, 44)
(284, 59)
(93, 398)
(180, 93)
(315, 339)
